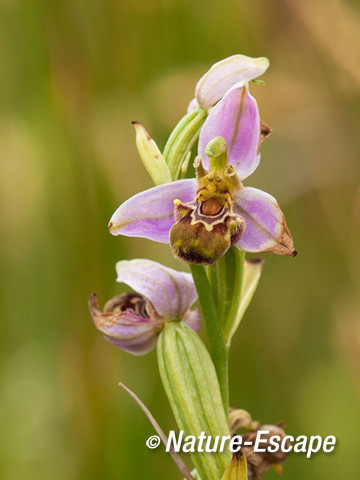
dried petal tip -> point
(128, 321)
(265, 130)
(239, 418)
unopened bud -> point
(151, 156)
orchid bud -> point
(192, 387)
(151, 156)
(128, 321)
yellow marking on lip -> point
(177, 201)
(194, 242)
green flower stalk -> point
(192, 387)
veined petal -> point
(236, 118)
(135, 335)
(224, 74)
(266, 229)
(170, 292)
(193, 319)
(150, 214)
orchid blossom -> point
(216, 204)
(133, 321)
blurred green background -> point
(73, 74)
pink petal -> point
(125, 330)
(266, 229)
(133, 334)
(170, 292)
(225, 74)
(193, 319)
(150, 214)
(236, 118)
(193, 105)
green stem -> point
(218, 350)
(226, 280)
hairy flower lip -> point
(202, 239)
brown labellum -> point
(203, 233)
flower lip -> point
(130, 302)
(202, 239)
(211, 207)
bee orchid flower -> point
(203, 217)
(133, 321)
